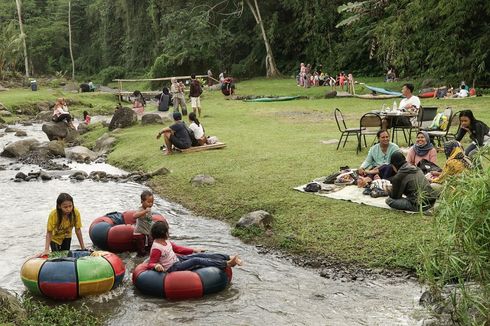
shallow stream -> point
(265, 291)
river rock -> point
(21, 175)
(151, 118)
(160, 171)
(259, 218)
(56, 147)
(104, 144)
(2, 121)
(20, 133)
(330, 94)
(11, 129)
(123, 118)
(45, 176)
(19, 148)
(82, 128)
(80, 154)
(44, 116)
(2, 125)
(27, 123)
(59, 130)
(5, 113)
(202, 179)
(13, 308)
(97, 175)
(79, 175)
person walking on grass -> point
(195, 95)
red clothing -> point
(155, 254)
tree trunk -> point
(69, 42)
(26, 61)
(270, 63)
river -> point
(267, 290)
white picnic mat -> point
(348, 193)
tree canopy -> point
(445, 40)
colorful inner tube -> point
(115, 231)
(181, 285)
(82, 273)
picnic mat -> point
(350, 193)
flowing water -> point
(265, 291)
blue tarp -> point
(382, 90)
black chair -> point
(424, 119)
(344, 131)
(369, 124)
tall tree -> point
(70, 43)
(270, 62)
(23, 36)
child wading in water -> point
(61, 222)
(163, 258)
(144, 222)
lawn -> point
(271, 148)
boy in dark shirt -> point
(176, 135)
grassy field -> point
(271, 148)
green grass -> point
(273, 147)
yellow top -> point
(64, 230)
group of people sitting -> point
(179, 136)
(450, 92)
(411, 183)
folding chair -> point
(424, 119)
(369, 124)
(344, 131)
(443, 135)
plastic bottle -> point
(395, 106)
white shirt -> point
(462, 93)
(407, 102)
(197, 130)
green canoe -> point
(273, 99)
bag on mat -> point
(312, 187)
(427, 166)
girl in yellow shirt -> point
(61, 222)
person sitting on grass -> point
(176, 135)
(456, 163)
(411, 182)
(377, 160)
(163, 258)
(197, 129)
(422, 149)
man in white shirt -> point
(410, 102)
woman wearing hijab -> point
(411, 182)
(422, 149)
(456, 162)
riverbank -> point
(271, 148)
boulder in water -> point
(80, 154)
(123, 118)
(59, 130)
(19, 148)
(20, 133)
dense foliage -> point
(458, 254)
(444, 40)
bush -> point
(459, 253)
(106, 75)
